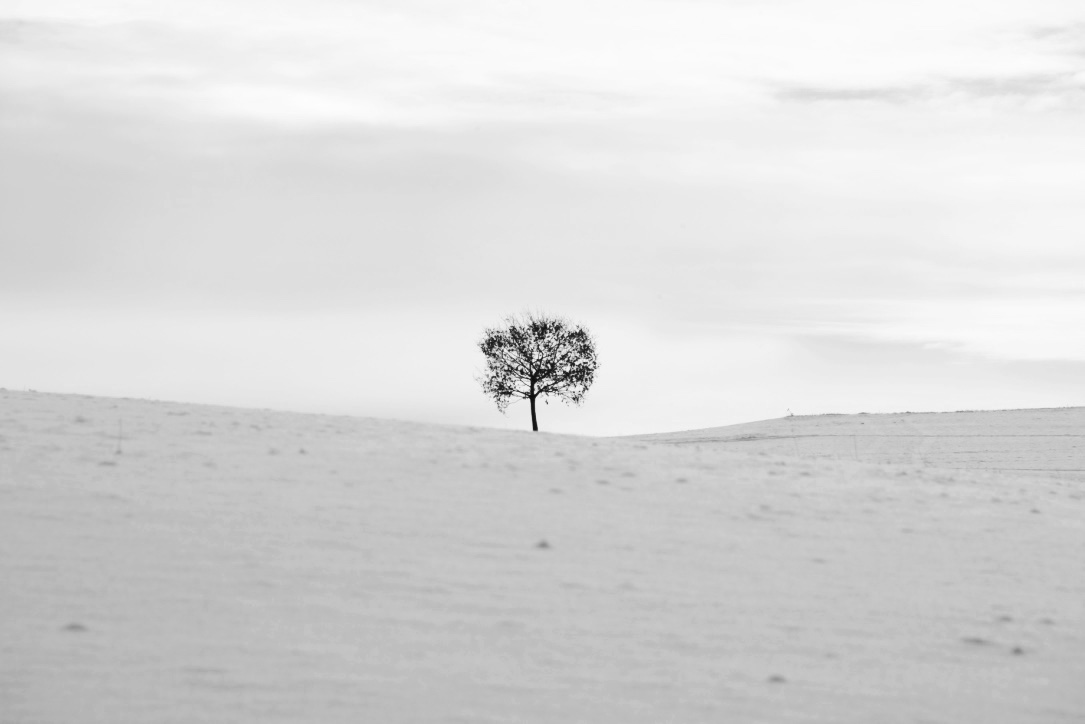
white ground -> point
(1031, 442)
(249, 566)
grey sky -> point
(827, 206)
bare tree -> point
(537, 355)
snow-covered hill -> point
(234, 565)
(1031, 442)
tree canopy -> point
(537, 355)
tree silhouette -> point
(536, 355)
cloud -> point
(276, 166)
(1068, 33)
(1051, 89)
(1020, 69)
(817, 94)
(1065, 87)
(996, 328)
(425, 63)
(17, 31)
(384, 71)
(1066, 40)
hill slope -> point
(252, 566)
(1047, 442)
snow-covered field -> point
(1031, 442)
(249, 566)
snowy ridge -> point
(253, 566)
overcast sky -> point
(755, 205)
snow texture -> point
(162, 562)
(1033, 442)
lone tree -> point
(536, 355)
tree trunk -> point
(534, 420)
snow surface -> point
(251, 566)
(1034, 442)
